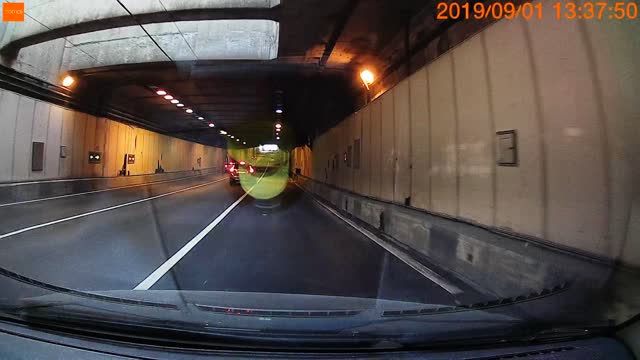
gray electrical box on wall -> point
(37, 156)
(507, 148)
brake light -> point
(232, 169)
(251, 171)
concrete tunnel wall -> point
(569, 88)
(24, 120)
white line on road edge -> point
(103, 210)
(417, 266)
(103, 190)
(153, 278)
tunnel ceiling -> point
(233, 62)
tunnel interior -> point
(233, 64)
(358, 167)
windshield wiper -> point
(63, 290)
(504, 337)
(184, 334)
(277, 313)
(483, 305)
(565, 333)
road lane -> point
(290, 245)
(115, 249)
(161, 271)
(29, 214)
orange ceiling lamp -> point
(367, 78)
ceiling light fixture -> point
(168, 97)
(175, 101)
(211, 125)
(367, 77)
(278, 126)
(200, 118)
(161, 92)
(222, 132)
(68, 81)
(279, 111)
(180, 105)
(189, 111)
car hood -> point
(266, 314)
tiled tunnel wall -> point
(568, 88)
(25, 120)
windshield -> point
(346, 173)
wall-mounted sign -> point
(131, 158)
(95, 157)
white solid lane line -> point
(147, 283)
(415, 265)
(100, 191)
(153, 278)
(103, 210)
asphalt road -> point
(115, 240)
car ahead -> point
(235, 169)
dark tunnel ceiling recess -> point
(323, 44)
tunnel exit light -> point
(268, 148)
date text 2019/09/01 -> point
(590, 10)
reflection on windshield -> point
(296, 185)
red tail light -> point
(232, 169)
(251, 170)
